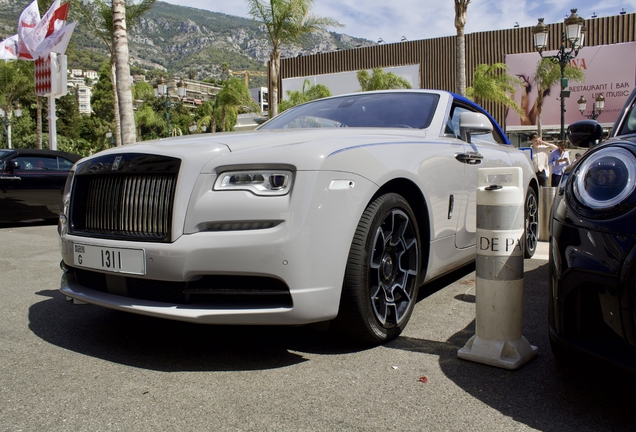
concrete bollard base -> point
(503, 354)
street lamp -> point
(110, 137)
(7, 121)
(571, 42)
(597, 108)
(162, 91)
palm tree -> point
(461, 9)
(234, 95)
(98, 15)
(122, 76)
(307, 93)
(492, 83)
(286, 22)
(380, 80)
(548, 74)
(149, 123)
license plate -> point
(117, 260)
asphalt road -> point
(81, 367)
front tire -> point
(381, 278)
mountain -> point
(184, 41)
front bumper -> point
(291, 273)
(592, 292)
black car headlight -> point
(259, 182)
(606, 178)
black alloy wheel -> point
(531, 211)
(381, 278)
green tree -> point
(233, 96)
(380, 80)
(14, 84)
(68, 116)
(492, 83)
(286, 22)
(143, 91)
(548, 74)
(102, 97)
(205, 116)
(307, 93)
(150, 124)
(461, 12)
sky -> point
(424, 19)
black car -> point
(32, 182)
(592, 284)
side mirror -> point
(585, 133)
(473, 123)
(11, 165)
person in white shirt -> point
(540, 154)
(559, 160)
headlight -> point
(66, 202)
(259, 182)
(606, 178)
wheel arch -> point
(413, 195)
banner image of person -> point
(610, 70)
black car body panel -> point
(32, 182)
(592, 283)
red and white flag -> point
(58, 19)
(50, 20)
(29, 18)
(9, 48)
(13, 49)
(56, 42)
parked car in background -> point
(31, 183)
(336, 209)
(592, 286)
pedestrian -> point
(577, 157)
(559, 160)
(540, 155)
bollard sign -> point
(499, 271)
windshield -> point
(383, 110)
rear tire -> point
(381, 278)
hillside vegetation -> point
(185, 41)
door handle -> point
(10, 178)
(470, 158)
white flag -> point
(29, 19)
(57, 42)
(9, 48)
(35, 37)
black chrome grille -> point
(129, 197)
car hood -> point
(305, 148)
(629, 138)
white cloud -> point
(424, 19)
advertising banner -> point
(609, 70)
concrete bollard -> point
(499, 268)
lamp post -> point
(597, 108)
(162, 91)
(571, 42)
(110, 137)
(7, 121)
